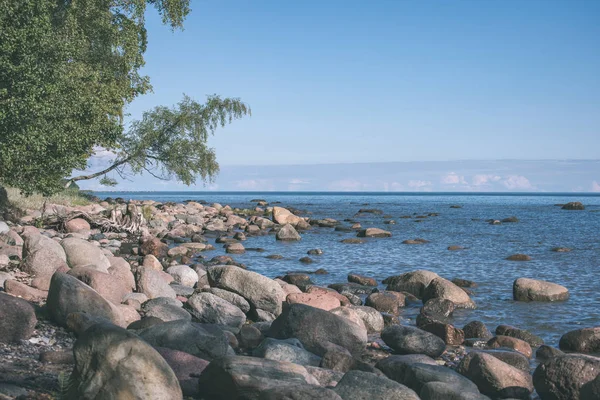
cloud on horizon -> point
(450, 176)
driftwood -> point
(130, 220)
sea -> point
(542, 226)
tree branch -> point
(97, 174)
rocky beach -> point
(161, 304)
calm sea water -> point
(542, 226)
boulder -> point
(211, 309)
(18, 289)
(235, 248)
(573, 205)
(81, 253)
(586, 340)
(315, 328)
(386, 302)
(477, 329)
(565, 377)
(411, 340)
(441, 328)
(513, 358)
(167, 312)
(370, 317)
(519, 257)
(112, 363)
(299, 392)
(261, 292)
(183, 274)
(186, 368)
(17, 319)
(76, 225)
(362, 280)
(359, 385)
(417, 375)
(108, 286)
(237, 377)
(395, 366)
(507, 330)
(283, 216)
(152, 262)
(496, 378)
(374, 233)
(153, 246)
(287, 233)
(324, 301)
(42, 257)
(121, 269)
(290, 350)
(349, 314)
(525, 289)
(438, 307)
(511, 343)
(546, 352)
(69, 295)
(201, 340)
(231, 297)
(412, 282)
(152, 283)
(444, 289)
(444, 391)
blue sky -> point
(389, 81)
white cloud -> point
(346, 185)
(417, 184)
(517, 182)
(595, 186)
(297, 181)
(483, 179)
(254, 184)
(453, 179)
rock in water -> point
(586, 340)
(287, 232)
(565, 377)
(444, 289)
(112, 363)
(237, 377)
(315, 328)
(411, 340)
(412, 282)
(574, 205)
(525, 289)
(17, 319)
(374, 233)
(283, 216)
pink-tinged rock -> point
(151, 261)
(17, 319)
(321, 290)
(77, 224)
(186, 367)
(128, 313)
(154, 283)
(111, 287)
(322, 301)
(25, 292)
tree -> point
(171, 142)
(68, 68)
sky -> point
(335, 83)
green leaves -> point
(67, 70)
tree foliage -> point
(68, 68)
(172, 142)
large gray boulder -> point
(231, 297)
(211, 309)
(69, 295)
(566, 377)
(201, 340)
(445, 391)
(112, 363)
(315, 328)
(299, 392)
(183, 274)
(261, 292)
(413, 282)
(359, 385)
(153, 283)
(81, 253)
(290, 350)
(417, 375)
(525, 289)
(42, 256)
(412, 340)
(395, 366)
(238, 377)
(17, 319)
(287, 233)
